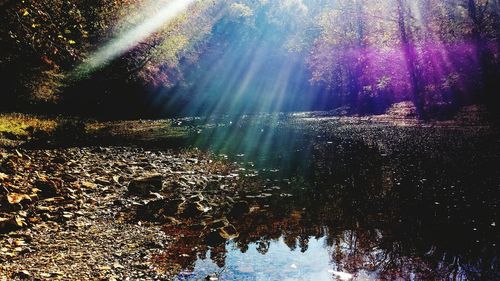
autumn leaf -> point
(88, 185)
(20, 221)
(16, 198)
(19, 242)
(3, 176)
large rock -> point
(10, 223)
(216, 237)
(146, 184)
(193, 209)
(49, 187)
(159, 210)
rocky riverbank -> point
(102, 213)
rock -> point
(194, 209)
(49, 187)
(159, 210)
(228, 232)
(146, 184)
(217, 224)
(23, 274)
(239, 209)
(8, 224)
(212, 277)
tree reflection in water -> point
(404, 212)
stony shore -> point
(100, 213)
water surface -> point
(356, 201)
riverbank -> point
(109, 200)
(99, 213)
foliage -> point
(56, 36)
(426, 51)
(366, 54)
(19, 125)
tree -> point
(43, 42)
(410, 56)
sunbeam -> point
(130, 38)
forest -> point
(131, 59)
(249, 140)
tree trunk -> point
(488, 68)
(411, 60)
(355, 85)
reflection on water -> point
(278, 263)
(355, 203)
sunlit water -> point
(279, 263)
(370, 202)
(350, 200)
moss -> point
(23, 126)
(16, 129)
(137, 129)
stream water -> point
(357, 202)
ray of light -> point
(127, 40)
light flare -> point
(122, 43)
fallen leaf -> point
(19, 242)
(20, 221)
(16, 198)
(88, 185)
(45, 208)
(18, 153)
(54, 199)
(67, 215)
(34, 220)
(105, 267)
(116, 179)
(3, 176)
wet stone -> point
(217, 224)
(146, 184)
(159, 210)
(194, 209)
(228, 232)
